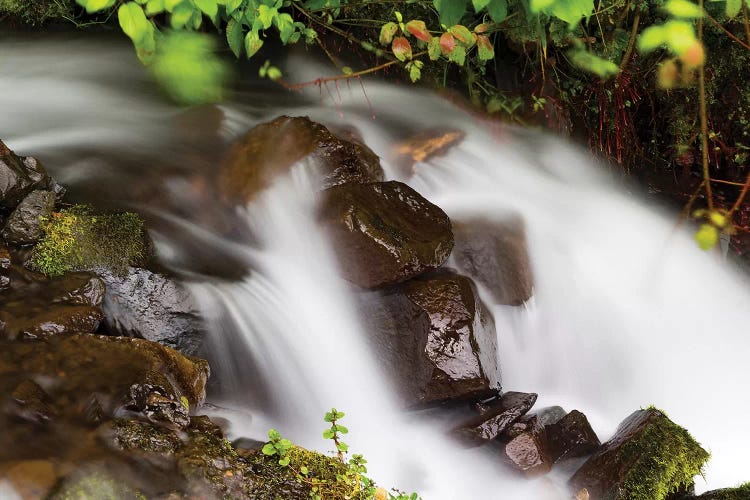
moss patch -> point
(75, 240)
(741, 492)
(35, 12)
(666, 458)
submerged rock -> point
(5, 262)
(434, 337)
(495, 254)
(24, 225)
(571, 437)
(498, 417)
(384, 233)
(37, 307)
(270, 149)
(422, 147)
(153, 306)
(648, 457)
(19, 176)
(529, 453)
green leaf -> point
(284, 461)
(479, 4)
(181, 15)
(707, 236)
(328, 434)
(154, 7)
(450, 11)
(570, 11)
(462, 34)
(733, 8)
(285, 25)
(414, 73)
(268, 449)
(341, 429)
(266, 15)
(304, 470)
(680, 35)
(458, 55)
(233, 5)
(342, 447)
(592, 63)
(683, 8)
(652, 38)
(234, 37)
(171, 4)
(498, 10)
(133, 21)
(208, 7)
(253, 43)
(95, 5)
(274, 435)
(433, 49)
(387, 31)
(484, 48)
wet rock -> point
(4, 268)
(31, 403)
(270, 149)
(435, 339)
(422, 147)
(143, 436)
(648, 457)
(19, 176)
(535, 422)
(495, 254)
(528, 453)
(31, 479)
(153, 306)
(384, 233)
(498, 417)
(130, 375)
(571, 437)
(77, 289)
(31, 323)
(24, 225)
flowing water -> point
(626, 312)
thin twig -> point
(739, 201)
(704, 118)
(727, 32)
(631, 42)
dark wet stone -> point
(60, 319)
(498, 417)
(535, 422)
(21, 175)
(153, 306)
(648, 454)
(435, 339)
(77, 289)
(528, 453)
(24, 226)
(31, 403)
(155, 400)
(495, 254)
(144, 436)
(571, 437)
(269, 150)
(384, 233)
(247, 444)
(4, 268)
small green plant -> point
(277, 446)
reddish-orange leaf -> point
(401, 48)
(462, 34)
(447, 43)
(485, 48)
(419, 30)
(481, 28)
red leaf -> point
(481, 28)
(401, 48)
(419, 30)
(447, 43)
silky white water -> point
(626, 312)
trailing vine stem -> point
(704, 118)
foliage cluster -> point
(345, 480)
(75, 239)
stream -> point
(627, 312)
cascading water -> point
(626, 311)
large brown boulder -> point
(384, 233)
(434, 337)
(270, 149)
(648, 457)
(495, 254)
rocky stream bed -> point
(101, 393)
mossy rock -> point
(648, 457)
(76, 240)
(741, 492)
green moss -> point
(35, 12)
(666, 458)
(75, 240)
(741, 492)
(96, 486)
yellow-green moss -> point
(667, 458)
(75, 239)
(96, 486)
(36, 12)
(741, 492)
